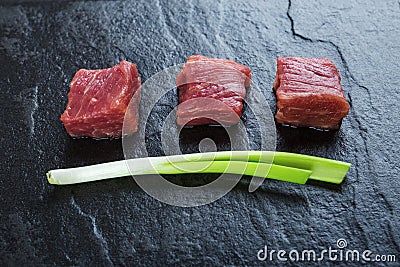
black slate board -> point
(43, 43)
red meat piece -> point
(98, 99)
(202, 79)
(309, 93)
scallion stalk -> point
(295, 168)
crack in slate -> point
(347, 71)
(361, 229)
(98, 234)
(121, 51)
(34, 109)
(352, 78)
(356, 116)
(344, 62)
(29, 98)
(337, 48)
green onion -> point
(325, 170)
(289, 167)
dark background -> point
(42, 45)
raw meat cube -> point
(309, 93)
(217, 88)
(98, 100)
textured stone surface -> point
(43, 43)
